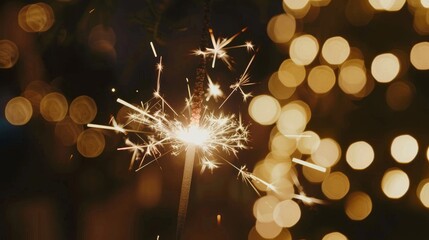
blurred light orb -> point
(261, 172)
(83, 110)
(352, 77)
(336, 185)
(360, 155)
(67, 131)
(281, 28)
(53, 107)
(90, 143)
(376, 4)
(395, 183)
(303, 49)
(281, 145)
(9, 54)
(263, 208)
(313, 175)
(385, 67)
(264, 109)
(291, 74)
(309, 143)
(334, 236)
(299, 9)
(423, 192)
(404, 148)
(419, 56)
(321, 79)
(328, 153)
(425, 3)
(296, 4)
(268, 230)
(320, 3)
(336, 50)
(292, 120)
(18, 111)
(287, 213)
(392, 5)
(284, 188)
(399, 95)
(283, 235)
(358, 206)
(278, 89)
(38, 17)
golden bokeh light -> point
(264, 109)
(268, 230)
(292, 120)
(336, 50)
(53, 107)
(261, 172)
(280, 170)
(281, 28)
(35, 91)
(320, 3)
(360, 155)
(321, 79)
(404, 148)
(297, 8)
(395, 183)
(336, 185)
(287, 213)
(296, 4)
(284, 188)
(291, 74)
(90, 143)
(313, 175)
(334, 236)
(419, 56)
(328, 153)
(358, 206)
(283, 235)
(303, 49)
(282, 146)
(67, 131)
(18, 111)
(425, 3)
(9, 54)
(423, 192)
(263, 208)
(385, 67)
(309, 143)
(38, 17)
(83, 110)
(387, 5)
(278, 89)
(352, 78)
(399, 95)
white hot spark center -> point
(193, 135)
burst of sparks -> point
(213, 90)
(209, 164)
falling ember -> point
(219, 219)
(153, 49)
(310, 165)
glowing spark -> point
(310, 165)
(308, 200)
(159, 67)
(157, 237)
(153, 49)
(213, 90)
(92, 10)
(219, 219)
(113, 90)
(211, 165)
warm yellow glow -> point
(303, 49)
(359, 155)
(376, 4)
(427, 154)
(284, 188)
(67, 131)
(336, 50)
(358, 206)
(352, 77)
(260, 172)
(395, 183)
(320, 3)
(296, 4)
(287, 213)
(83, 110)
(399, 95)
(281, 28)
(37, 17)
(298, 9)
(425, 3)
(385, 67)
(328, 153)
(336, 185)
(90, 143)
(264, 109)
(321, 79)
(419, 56)
(268, 230)
(263, 208)
(283, 235)
(53, 107)
(334, 236)
(404, 148)
(280, 170)
(9, 54)
(292, 120)
(423, 192)
(309, 143)
(392, 5)
(281, 145)
(193, 135)
(18, 111)
(314, 176)
(291, 74)
(278, 89)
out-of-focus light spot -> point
(303, 49)
(102, 40)
(263, 208)
(90, 143)
(385, 67)
(395, 183)
(287, 213)
(404, 148)
(35, 91)
(425, 3)
(296, 4)
(358, 206)
(336, 185)
(314, 176)
(113, 90)
(328, 153)
(9, 54)
(309, 143)
(392, 5)
(376, 4)
(281, 28)
(219, 219)
(336, 50)
(284, 235)
(423, 192)
(68, 131)
(280, 170)
(261, 172)
(284, 188)
(321, 79)
(149, 189)
(53, 107)
(292, 120)
(334, 236)
(37, 17)
(359, 13)
(297, 8)
(291, 74)
(427, 154)
(420, 23)
(264, 109)
(83, 109)
(352, 77)
(278, 89)
(18, 111)
(320, 3)
(268, 230)
(419, 56)
(359, 155)
(399, 95)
